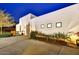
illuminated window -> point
(49, 25)
(42, 26)
(58, 24)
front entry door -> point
(28, 30)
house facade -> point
(23, 27)
(10, 29)
(63, 20)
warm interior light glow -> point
(58, 24)
(42, 26)
(49, 25)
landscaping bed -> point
(57, 38)
(52, 41)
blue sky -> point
(18, 10)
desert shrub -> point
(59, 36)
(33, 34)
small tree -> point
(5, 20)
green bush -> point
(33, 34)
(5, 34)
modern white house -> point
(23, 27)
(63, 20)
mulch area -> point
(57, 42)
(52, 41)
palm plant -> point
(5, 20)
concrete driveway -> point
(10, 40)
(21, 45)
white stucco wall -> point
(18, 29)
(69, 17)
(23, 21)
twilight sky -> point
(18, 10)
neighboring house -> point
(24, 24)
(63, 20)
(10, 29)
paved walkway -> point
(21, 45)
